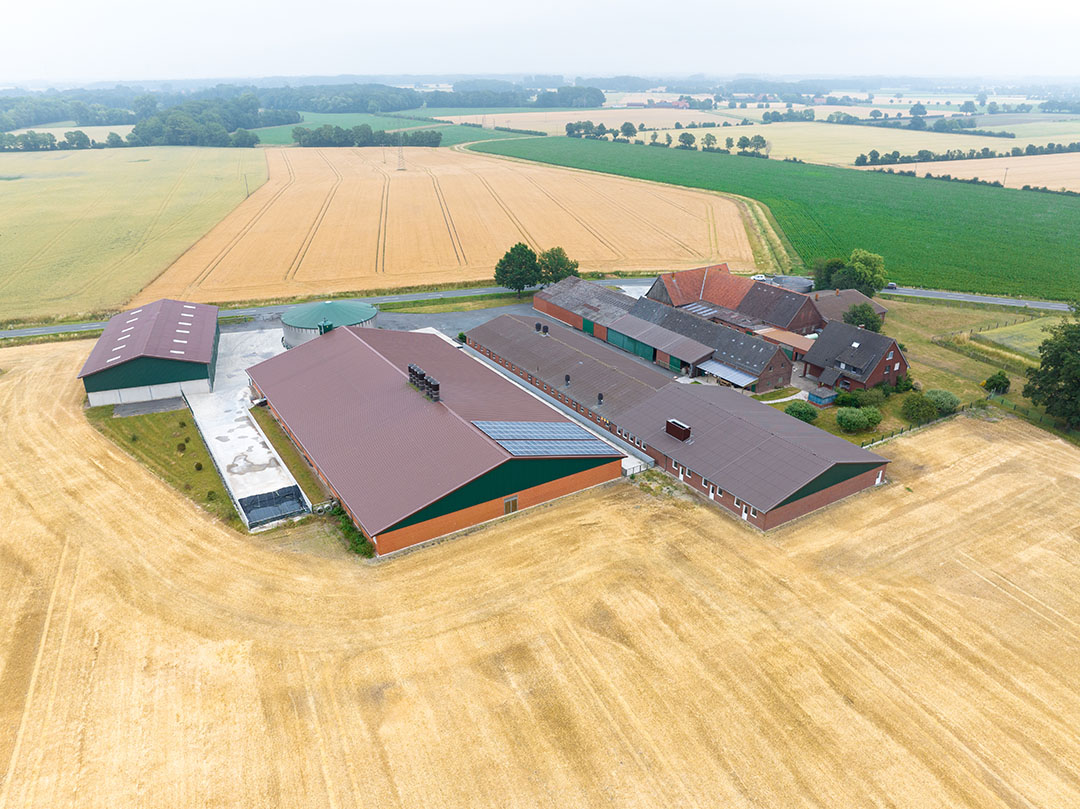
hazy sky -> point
(135, 39)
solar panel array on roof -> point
(501, 430)
(593, 446)
(543, 438)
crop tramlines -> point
(309, 237)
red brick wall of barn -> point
(557, 312)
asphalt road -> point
(633, 286)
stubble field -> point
(1055, 171)
(612, 649)
(83, 231)
(346, 219)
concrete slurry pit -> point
(261, 486)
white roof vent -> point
(854, 345)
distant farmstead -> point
(164, 349)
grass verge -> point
(773, 395)
(155, 440)
(296, 464)
(469, 304)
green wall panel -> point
(145, 371)
(837, 473)
(510, 477)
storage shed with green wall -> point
(162, 350)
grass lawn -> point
(934, 234)
(776, 394)
(294, 461)
(83, 231)
(1021, 338)
(154, 439)
(469, 304)
(282, 135)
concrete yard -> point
(247, 461)
(913, 646)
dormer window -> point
(843, 367)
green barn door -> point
(586, 326)
(674, 363)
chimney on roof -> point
(838, 292)
(568, 380)
(816, 296)
(676, 429)
(545, 330)
(538, 326)
(433, 389)
(599, 399)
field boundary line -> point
(34, 673)
(305, 245)
(246, 229)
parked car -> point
(891, 285)
(759, 277)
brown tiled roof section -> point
(594, 366)
(166, 329)
(386, 449)
(833, 303)
(754, 451)
(725, 289)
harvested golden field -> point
(83, 231)
(1055, 171)
(916, 645)
(343, 219)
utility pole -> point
(1005, 181)
(400, 158)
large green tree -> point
(518, 269)
(555, 265)
(863, 314)
(1055, 384)
(868, 268)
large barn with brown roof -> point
(417, 440)
(753, 460)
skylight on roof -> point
(854, 345)
(175, 351)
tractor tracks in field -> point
(204, 274)
(641, 220)
(448, 218)
(619, 254)
(305, 245)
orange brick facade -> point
(391, 541)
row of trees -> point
(363, 135)
(875, 158)
(788, 115)
(77, 139)
(521, 267)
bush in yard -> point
(198, 466)
(944, 401)
(852, 419)
(904, 383)
(181, 447)
(918, 409)
(803, 411)
(873, 416)
(461, 337)
(873, 397)
(846, 399)
(998, 382)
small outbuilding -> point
(161, 350)
(308, 320)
